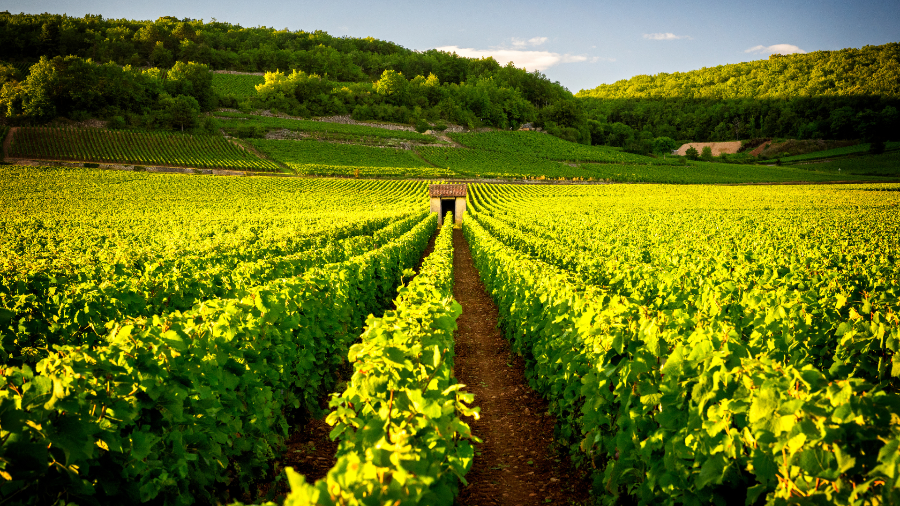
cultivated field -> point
(224, 278)
(318, 148)
(722, 341)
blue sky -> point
(579, 43)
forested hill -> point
(158, 75)
(846, 94)
(870, 71)
(223, 46)
(49, 63)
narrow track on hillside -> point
(8, 140)
(517, 463)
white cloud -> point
(532, 60)
(534, 41)
(529, 59)
(665, 36)
(775, 49)
(573, 58)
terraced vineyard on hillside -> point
(477, 163)
(232, 122)
(366, 151)
(717, 172)
(311, 157)
(552, 148)
(139, 148)
(240, 86)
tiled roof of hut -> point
(447, 190)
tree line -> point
(132, 71)
(846, 94)
(320, 73)
(78, 89)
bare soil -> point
(792, 147)
(446, 138)
(718, 148)
(518, 463)
(283, 134)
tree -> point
(38, 91)
(692, 153)
(664, 145)
(618, 134)
(568, 114)
(7, 73)
(706, 154)
(737, 125)
(192, 79)
(180, 111)
(393, 86)
(11, 98)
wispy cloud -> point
(775, 49)
(665, 36)
(534, 41)
(531, 59)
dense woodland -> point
(156, 74)
(846, 94)
(369, 78)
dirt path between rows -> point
(8, 141)
(516, 464)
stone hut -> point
(448, 198)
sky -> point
(581, 44)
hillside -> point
(846, 94)
(319, 148)
(869, 71)
(165, 74)
(312, 74)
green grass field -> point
(335, 149)
(711, 173)
(859, 149)
(883, 165)
(553, 148)
(312, 157)
(491, 164)
(353, 133)
(236, 85)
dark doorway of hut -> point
(447, 206)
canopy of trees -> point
(393, 97)
(870, 71)
(78, 88)
(846, 94)
(365, 76)
(138, 69)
